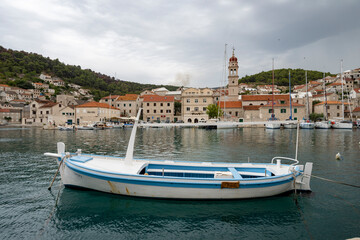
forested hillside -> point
(19, 68)
(281, 77)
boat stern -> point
(302, 182)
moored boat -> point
(342, 125)
(307, 125)
(323, 125)
(180, 179)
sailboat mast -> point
(290, 96)
(342, 89)
(326, 113)
(272, 102)
(307, 96)
(224, 77)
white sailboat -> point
(272, 124)
(306, 123)
(342, 123)
(290, 125)
(324, 124)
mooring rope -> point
(333, 181)
(49, 188)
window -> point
(154, 110)
(188, 100)
(196, 100)
(154, 104)
(295, 110)
(129, 104)
(124, 104)
(161, 104)
(148, 111)
(161, 111)
(283, 110)
(282, 102)
(338, 107)
(236, 114)
(187, 109)
(270, 111)
(168, 104)
(338, 114)
(204, 100)
(47, 112)
(196, 109)
(204, 108)
(168, 111)
(148, 104)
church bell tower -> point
(233, 78)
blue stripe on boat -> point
(153, 182)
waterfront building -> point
(194, 102)
(334, 109)
(329, 97)
(158, 108)
(91, 112)
(128, 104)
(233, 110)
(10, 115)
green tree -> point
(177, 108)
(316, 116)
(214, 111)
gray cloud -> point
(165, 42)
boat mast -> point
(290, 96)
(342, 89)
(307, 96)
(272, 102)
(326, 113)
(130, 149)
(224, 79)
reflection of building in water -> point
(157, 142)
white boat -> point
(323, 125)
(290, 125)
(115, 125)
(65, 128)
(342, 125)
(87, 127)
(180, 179)
(272, 125)
(307, 125)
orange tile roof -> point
(267, 97)
(128, 97)
(230, 104)
(357, 90)
(252, 107)
(4, 85)
(4, 110)
(51, 104)
(284, 105)
(112, 97)
(156, 98)
(356, 109)
(331, 103)
(335, 84)
(95, 105)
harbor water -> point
(29, 210)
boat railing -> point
(285, 158)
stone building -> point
(92, 112)
(158, 108)
(194, 102)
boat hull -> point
(290, 125)
(322, 125)
(338, 125)
(173, 188)
(307, 125)
(273, 125)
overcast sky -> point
(183, 42)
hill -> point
(281, 77)
(20, 68)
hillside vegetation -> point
(19, 68)
(281, 77)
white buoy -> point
(338, 156)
